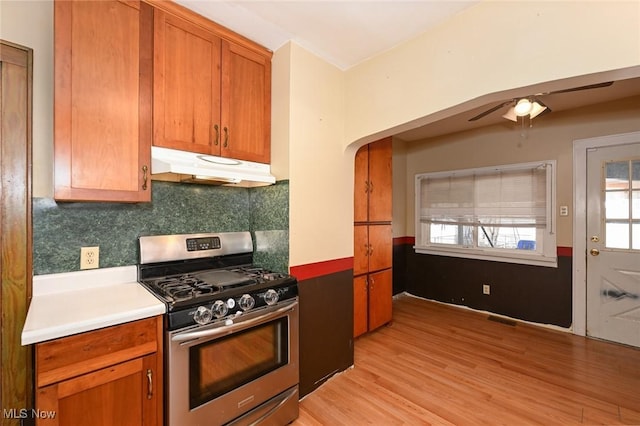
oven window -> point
(221, 365)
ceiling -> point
(348, 32)
(342, 32)
(459, 121)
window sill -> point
(524, 259)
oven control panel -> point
(203, 243)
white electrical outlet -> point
(486, 289)
(89, 257)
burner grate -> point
(183, 287)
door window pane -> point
(635, 182)
(617, 235)
(617, 205)
(617, 175)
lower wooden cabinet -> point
(111, 376)
(372, 301)
(373, 280)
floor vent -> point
(502, 320)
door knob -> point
(594, 252)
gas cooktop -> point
(210, 272)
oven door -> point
(218, 373)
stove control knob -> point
(202, 315)
(219, 309)
(271, 297)
(246, 302)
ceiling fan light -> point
(536, 109)
(523, 107)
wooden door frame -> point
(16, 371)
(579, 284)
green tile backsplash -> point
(60, 229)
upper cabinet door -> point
(102, 98)
(361, 185)
(186, 103)
(373, 185)
(380, 181)
(246, 104)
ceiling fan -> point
(532, 106)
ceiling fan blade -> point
(587, 87)
(490, 110)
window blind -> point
(503, 197)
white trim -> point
(579, 284)
(506, 256)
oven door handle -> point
(185, 338)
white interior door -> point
(613, 243)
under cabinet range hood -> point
(182, 166)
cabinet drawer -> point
(71, 356)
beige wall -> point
(322, 114)
(550, 138)
(30, 23)
(488, 48)
(321, 173)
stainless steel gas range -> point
(231, 330)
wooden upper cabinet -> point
(246, 104)
(102, 100)
(211, 95)
(186, 88)
(373, 182)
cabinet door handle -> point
(226, 137)
(371, 283)
(145, 177)
(150, 384)
(370, 187)
(366, 186)
(370, 250)
(217, 129)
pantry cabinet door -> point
(361, 249)
(381, 247)
(361, 185)
(360, 305)
(186, 89)
(380, 298)
(380, 181)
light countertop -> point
(75, 302)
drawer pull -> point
(150, 384)
(145, 177)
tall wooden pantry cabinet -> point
(373, 242)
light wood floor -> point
(436, 364)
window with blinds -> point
(500, 213)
